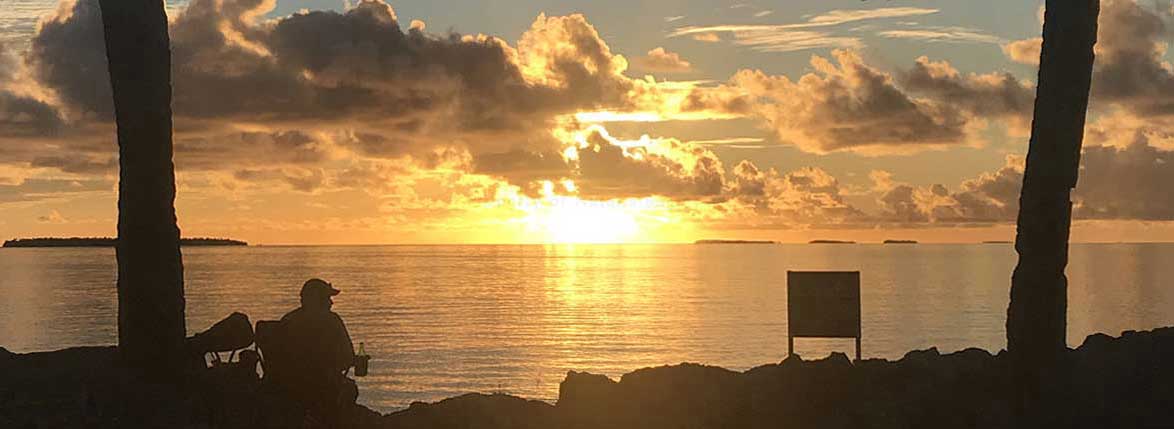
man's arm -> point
(345, 354)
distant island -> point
(900, 241)
(996, 242)
(733, 242)
(109, 242)
(831, 242)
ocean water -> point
(446, 320)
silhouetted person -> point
(319, 353)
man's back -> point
(318, 343)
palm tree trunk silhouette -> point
(1036, 317)
(150, 269)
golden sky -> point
(353, 123)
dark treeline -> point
(110, 242)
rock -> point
(1109, 382)
(474, 410)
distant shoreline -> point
(734, 242)
(110, 242)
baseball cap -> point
(318, 287)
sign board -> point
(823, 304)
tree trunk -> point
(1036, 317)
(150, 269)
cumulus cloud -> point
(1130, 70)
(989, 198)
(848, 105)
(661, 60)
(321, 101)
(22, 114)
(1116, 183)
(1130, 182)
(807, 195)
(608, 169)
(357, 65)
(1024, 51)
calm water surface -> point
(445, 320)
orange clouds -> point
(431, 128)
(660, 60)
(847, 105)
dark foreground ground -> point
(1124, 382)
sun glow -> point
(571, 220)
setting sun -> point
(571, 220)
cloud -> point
(990, 95)
(1024, 51)
(807, 195)
(53, 217)
(944, 34)
(711, 37)
(1116, 183)
(1130, 182)
(674, 18)
(1130, 70)
(84, 164)
(763, 13)
(660, 60)
(68, 55)
(22, 114)
(836, 17)
(847, 105)
(668, 168)
(992, 197)
(356, 65)
(429, 124)
(798, 36)
(770, 38)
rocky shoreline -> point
(1127, 381)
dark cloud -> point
(1130, 70)
(355, 65)
(990, 95)
(522, 167)
(248, 148)
(35, 190)
(606, 170)
(77, 164)
(1116, 182)
(22, 115)
(1131, 182)
(68, 55)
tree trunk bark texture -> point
(1037, 315)
(1036, 318)
(150, 268)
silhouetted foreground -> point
(110, 242)
(1107, 382)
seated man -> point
(319, 353)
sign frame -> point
(828, 304)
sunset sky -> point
(587, 121)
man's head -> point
(316, 294)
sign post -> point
(823, 304)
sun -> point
(571, 220)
